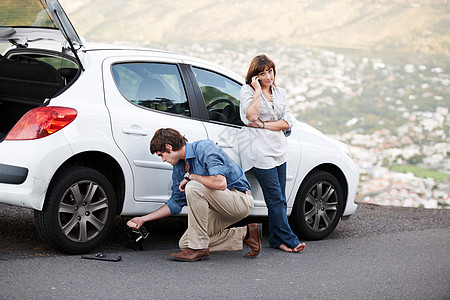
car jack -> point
(135, 237)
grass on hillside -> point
(420, 172)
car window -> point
(56, 62)
(152, 85)
(221, 96)
(66, 68)
(26, 14)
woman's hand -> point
(255, 83)
(253, 109)
(257, 124)
(276, 125)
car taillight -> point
(41, 122)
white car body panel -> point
(133, 127)
(320, 149)
(42, 157)
(27, 35)
(90, 82)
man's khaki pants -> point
(210, 212)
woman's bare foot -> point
(285, 248)
(299, 248)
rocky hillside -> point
(378, 26)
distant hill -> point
(378, 26)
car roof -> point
(107, 50)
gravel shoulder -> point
(19, 238)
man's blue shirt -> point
(207, 159)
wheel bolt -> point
(79, 218)
(76, 207)
(87, 213)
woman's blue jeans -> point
(273, 184)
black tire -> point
(318, 206)
(79, 210)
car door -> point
(143, 95)
(219, 96)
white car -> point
(76, 121)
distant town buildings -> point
(317, 80)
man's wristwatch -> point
(186, 176)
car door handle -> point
(134, 131)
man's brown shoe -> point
(189, 254)
(254, 239)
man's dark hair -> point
(165, 136)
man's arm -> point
(160, 213)
(217, 182)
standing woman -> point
(263, 146)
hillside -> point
(378, 26)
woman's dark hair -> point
(165, 136)
(258, 65)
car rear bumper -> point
(27, 167)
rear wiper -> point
(9, 31)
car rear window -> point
(152, 85)
(25, 13)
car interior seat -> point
(151, 89)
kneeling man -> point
(216, 191)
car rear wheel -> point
(318, 206)
(79, 210)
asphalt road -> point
(381, 252)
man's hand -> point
(162, 212)
(135, 223)
(183, 184)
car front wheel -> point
(318, 206)
(79, 210)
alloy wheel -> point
(320, 206)
(83, 211)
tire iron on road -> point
(100, 256)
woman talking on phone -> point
(263, 146)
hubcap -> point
(320, 206)
(83, 211)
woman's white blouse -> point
(259, 147)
